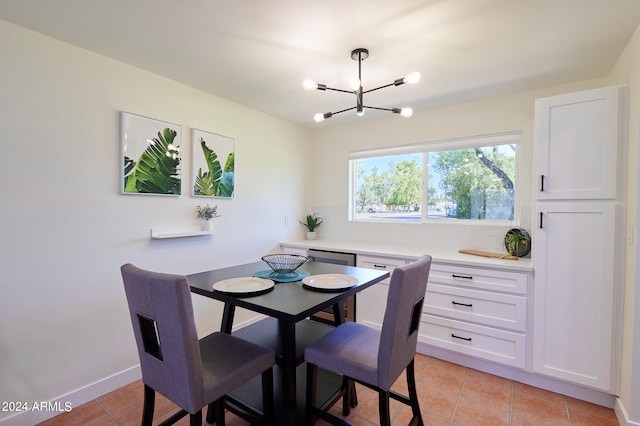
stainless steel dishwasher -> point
(348, 305)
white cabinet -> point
(372, 302)
(294, 250)
(478, 312)
(577, 145)
(573, 298)
(576, 241)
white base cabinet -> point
(473, 311)
(478, 312)
(574, 301)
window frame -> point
(424, 148)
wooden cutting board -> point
(488, 254)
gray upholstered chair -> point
(374, 358)
(191, 372)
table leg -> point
(227, 318)
(287, 331)
(338, 314)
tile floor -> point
(449, 395)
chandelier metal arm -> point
(343, 110)
(381, 87)
(380, 108)
(335, 90)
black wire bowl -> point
(285, 264)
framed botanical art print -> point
(151, 156)
(213, 163)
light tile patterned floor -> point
(449, 395)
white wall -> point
(65, 229)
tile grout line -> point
(455, 409)
(513, 391)
(108, 412)
(566, 409)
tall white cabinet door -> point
(574, 254)
(577, 140)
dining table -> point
(285, 325)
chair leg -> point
(219, 410)
(149, 404)
(211, 413)
(347, 388)
(196, 419)
(383, 408)
(312, 377)
(267, 396)
(413, 393)
(215, 412)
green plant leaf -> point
(156, 171)
(215, 182)
(203, 184)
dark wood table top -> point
(291, 302)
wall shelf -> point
(159, 234)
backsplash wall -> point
(415, 236)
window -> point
(463, 179)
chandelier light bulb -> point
(318, 117)
(412, 78)
(360, 113)
(355, 84)
(406, 112)
(309, 84)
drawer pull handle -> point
(380, 266)
(468, 305)
(468, 339)
(464, 277)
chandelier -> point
(360, 55)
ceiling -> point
(257, 52)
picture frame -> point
(151, 162)
(213, 165)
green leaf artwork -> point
(151, 156)
(215, 181)
(157, 169)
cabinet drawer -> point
(379, 262)
(500, 346)
(478, 278)
(294, 250)
(486, 308)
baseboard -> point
(623, 416)
(74, 398)
(522, 376)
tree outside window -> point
(474, 183)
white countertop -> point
(442, 256)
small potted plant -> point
(312, 222)
(517, 241)
(206, 214)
